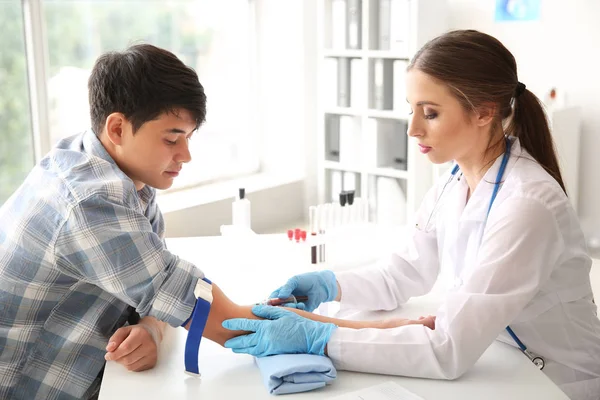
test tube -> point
(312, 220)
(360, 209)
(280, 302)
(351, 207)
(323, 221)
(336, 215)
(345, 209)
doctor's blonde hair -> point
(480, 72)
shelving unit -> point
(364, 49)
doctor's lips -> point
(424, 149)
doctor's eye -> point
(170, 142)
(431, 115)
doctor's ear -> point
(485, 114)
(116, 126)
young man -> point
(81, 241)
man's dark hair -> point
(143, 82)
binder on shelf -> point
(399, 26)
(332, 137)
(338, 24)
(349, 139)
(383, 84)
(354, 15)
(357, 92)
(392, 144)
(385, 23)
(329, 88)
(343, 82)
(399, 91)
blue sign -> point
(517, 10)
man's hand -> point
(136, 346)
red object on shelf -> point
(303, 235)
(290, 234)
(297, 234)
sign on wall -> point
(517, 10)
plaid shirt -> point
(79, 245)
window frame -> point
(36, 48)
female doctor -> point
(499, 221)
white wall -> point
(562, 49)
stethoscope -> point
(537, 361)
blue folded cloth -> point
(295, 373)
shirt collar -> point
(94, 147)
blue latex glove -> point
(320, 287)
(282, 332)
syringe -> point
(281, 302)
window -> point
(16, 144)
(212, 36)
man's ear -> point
(115, 126)
(485, 114)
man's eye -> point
(170, 142)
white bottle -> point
(240, 210)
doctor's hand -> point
(320, 287)
(136, 346)
(282, 332)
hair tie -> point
(519, 89)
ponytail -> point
(530, 125)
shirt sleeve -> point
(521, 246)
(120, 250)
(411, 271)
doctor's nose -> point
(414, 130)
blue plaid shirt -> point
(79, 245)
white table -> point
(501, 373)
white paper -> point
(385, 391)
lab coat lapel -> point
(453, 211)
(471, 221)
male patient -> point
(81, 241)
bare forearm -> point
(223, 308)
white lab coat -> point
(529, 270)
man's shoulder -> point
(86, 174)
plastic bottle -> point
(240, 210)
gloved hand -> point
(320, 287)
(283, 332)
